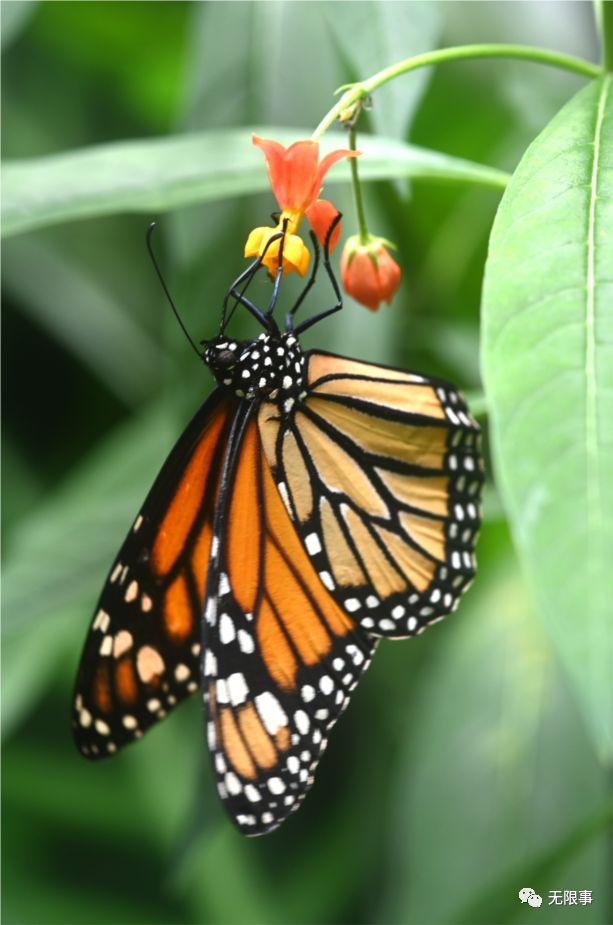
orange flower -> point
(296, 175)
(368, 273)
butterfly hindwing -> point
(141, 653)
(381, 473)
(281, 657)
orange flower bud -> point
(368, 273)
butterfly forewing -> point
(381, 473)
(281, 657)
(141, 653)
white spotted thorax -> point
(273, 366)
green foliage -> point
(463, 769)
(505, 704)
(189, 169)
(548, 366)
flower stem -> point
(360, 90)
(357, 189)
(604, 21)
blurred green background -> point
(463, 771)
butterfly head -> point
(272, 366)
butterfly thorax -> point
(272, 366)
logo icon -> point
(527, 895)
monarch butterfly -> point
(314, 504)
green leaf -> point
(88, 318)
(548, 370)
(59, 553)
(479, 798)
(372, 34)
(15, 18)
(165, 173)
(237, 53)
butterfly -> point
(313, 505)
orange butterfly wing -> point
(140, 657)
(281, 657)
(381, 472)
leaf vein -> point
(594, 504)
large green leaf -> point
(15, 17)
(164, 173)
(59, 552)
(481, 807)
(548, 369)
(88, 318)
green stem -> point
(357, 189)
(360, 90)
(604, 20)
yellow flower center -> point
(296, 254)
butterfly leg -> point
(289, 318)
(337, 292)
(279, 273)
(240, 299)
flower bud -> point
(368, 273)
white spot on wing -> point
(102, 621)
(245, 641)
(270, 711)
(210, 612)
(106, 646)
(224, 584)
(226, 629)
(149, 664)
(210, 664)
(282, 487)
(276, 785)
(237, 688)
(233, 784)
(312, 544)
(123, 642)
(182, 673)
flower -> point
(296, 175)
(368, 272)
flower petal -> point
(296, 254)
(274, 154)
(328, 161)
(389, 276)
(300, 175)
(320, 217)
(256, 241)
(359, 278)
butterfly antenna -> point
(150, 231)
